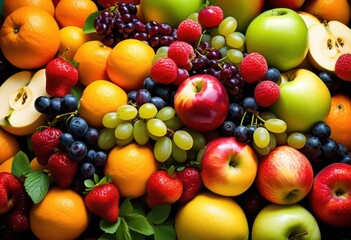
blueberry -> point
(158, 102)
(78, 127)
(313, 148)
(87, 170)
(273, 74)
(100, 158)
(330, 149)
(91, 156)
(77, 151)
(227, 128)
(242, 133)
(42, 104)
(91, 136)
(321, 130)
(55, 106)
(69, 103)
(66, 139)
(250, 104)
(235, 112)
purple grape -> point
(142, 96)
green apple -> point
(281, 36)
(242, 10)
(304, 100)
(171, 12)
(285, 222)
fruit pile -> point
(161, 119)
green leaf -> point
(126, 208)
(109, 227)
(89, 183)
(139, 223)
(89, 23)
(165, 231)
(77, 92)
(37, 185)
(20, 165)
(123, 231)
(137, 236)
(159, 214)
(107, 236)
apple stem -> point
(297, 235)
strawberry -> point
(62, 169)
(102, 198)
(61, 76)
(10, 186)
(164, 71)
(211, 16)
(266, 93)
(189, 31)
(44, 143)
(253, 67)
(19, 216)
(192, 183)
(163, 188)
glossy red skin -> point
(326, 205)
(201, 102)
(10, 187)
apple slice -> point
(17, 96)
(308, 18)
(327, 41)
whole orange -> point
(129, 63)
(74, 12)
(130, 166)
(29, 38)
(11, 5)
(99, 98)
(92, 57)
(71, 38)
(8, 144)
(339, 119)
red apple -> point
(228, 166)
(284, 176)
(330, 197)
(201, 102)
(292, 4)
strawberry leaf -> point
(164, 231)
(109, 227)
(139, 223)
(77, 92)
(37, 185)
(20, 165)
(159, 214)
(89, 23)
(123, 230)
(126, 208)
(107, 236)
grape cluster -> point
(120, 22)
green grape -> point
(147, 110)
(214, 31)
(199, 140)
(235, 56)
(124, 130)
(206, 37)
(110, 120)
(156, 127)
(140, 133)
(193, 16)
(199, 154)
(281, 138)
(265, 115)
(107, 139)
(234, 40)
(163, 49)
(179, 154)
(261, 137)
(227, 26)
(241, 35)
(123, 142)
(262, 151)
(127, 112)
(272, 141)
(218, 42)
(174, 123)
(296, 140)
(158, 56)
(165, 113)
(163, 148)
(183, 139)
(275, 125)
(153, 137)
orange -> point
(339, 119)
(7, 165)
(8, 145)
(129, 63)
(92, 57)
(11, 5)
(62, 214)
(99, 98)
(74, 12)
(29, 38)
(338, 10)
(71, 38)
(130, 166)
(34, 165)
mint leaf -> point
(20, 165)
(165, 231)
(123, 231)
(126, 208)
(89, 23)
(37, 185)
(137, 236)
(109, 227)
(159, 214)
(139, 223)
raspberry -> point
(164, 71)
(253, 67)
(266, 93)
(343, 67)
(181, 52)
(211, 16)
(189, 31)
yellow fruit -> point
(6, 165)
(71, 38)
(210, 216)
(8, 145)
